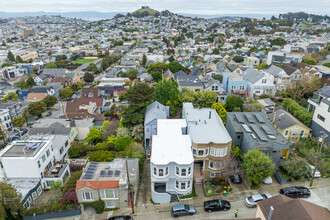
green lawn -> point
(83, 61)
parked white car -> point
(268, 180)
(317, 173)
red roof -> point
(96, 184)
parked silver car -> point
(251, 201)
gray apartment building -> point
(251, 130)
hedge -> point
(298, 111)
(49, 209)
(97, 205)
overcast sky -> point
(321, 7)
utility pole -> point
(130, 189)
(318, 156)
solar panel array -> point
(109, 173)
(259, 118)
(90, 170)
(239, 118)
(102, 173)
(117, 172)
(267, 130)
(246, 128)
(259, 133)
(249, 118)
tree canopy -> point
(233, 102)
(94, 136)
(18, 122)
(221, 111)
(36, 108)
(257, 165)
(309, 61)
(50, 100)
(203, 99)
(175, 67)
(66, 93)
(89, 77)
(10, 200)
(157, 67)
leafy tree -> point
(175, 67)
(166, 90)
(104, 64)
(10, 200)
(296, 89)
(6, 64)
(233, 101)
(132, 74)
(238, 59)
(122, 143)
(296, 166)
(77, 86)
(56, 185)
(101, 156)
(327, 64)
(93, 68)
(205, 98)
(50, 100)
(30, 82)
(156, 76)
(216, 51)
(138, 97)
(218, 77)
(144, 60)
(94, 136)
(309, 61)
(18, 122)
(3, 136)
(19, 59)
(123, 132)
(11, 97)
(11, 56)
(262, 66)
(189, 96)
(110, 129)
(89, 77)
(277, 41)
(36, 108)
(66, 92)
(221, 111)
(138, 132)
(257, 165)
(70, 197)
(157, 67)
(51, 66)
(236, 151)
(171, 59)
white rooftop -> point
(205, 125)
(170, 144)
(23, 185)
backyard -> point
(83, 61)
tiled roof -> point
(95, 184)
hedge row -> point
(49, 209)
(298, 111)
(97, 205)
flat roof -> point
(24, 185)
(205, 125)
(170, 144)
(23, 149)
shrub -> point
(298, 111)
(309, 61)
(70, 197)
(122, 143)
(57, 207)
(71, 182)
(97, 205)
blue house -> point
(154, 112)
(234, 83)
(23, 93)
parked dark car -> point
(295, 192)
(23, 131)
(122, 217)
(182, 210)
(235, 178)
(48, 114)
(216, 205)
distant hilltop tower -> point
(145, 7)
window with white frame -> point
(110, 204)
(166, 171)
(219, 152)
(109, 194)
(87, 196)
(177, 170)
(286, 133)
(184, 172)
(264, 80)
(194, 151)
(189, 170)
(34, 195)
(155, 171)
(160, 172)
(206, 151)
(200, 152)
(39, 190)
(188, 185)
(211, 165)
(241, 88)
(183, 185)
(212, 151)
(177, 184)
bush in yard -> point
(296, 167)
(71, 182)
(258, 165)
(123, 133)
(70, 197)
(122, 143)
(57, 207)
(97, 205)
(237, 151)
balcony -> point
(56, 170)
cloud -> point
(177, 6)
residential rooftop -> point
(23, 149)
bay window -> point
(161, 172)
(109, 194)
(183, 172)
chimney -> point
(270, 213)
(210, 115)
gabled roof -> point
(179, 74)
(289, 69)
(274, 70)
(195, 72)
(155, 111)
(252, 75)
(96, 184)
(284, 119)
(293, 209)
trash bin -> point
(225, 192)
